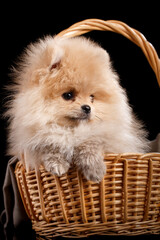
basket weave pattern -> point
(126, 202)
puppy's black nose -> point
(86, 109)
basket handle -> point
(121, 28)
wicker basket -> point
(126, 202)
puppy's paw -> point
(92, 166)
(56, 167)
(94, 172)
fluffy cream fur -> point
(55, 78)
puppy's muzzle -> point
(86, 109)
(84, 114)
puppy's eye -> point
(92, 98)
(68, 95)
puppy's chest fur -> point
(68, 141)
(80, 146)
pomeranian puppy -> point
(68, 108)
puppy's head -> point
(68, 81)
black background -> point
(23, 23)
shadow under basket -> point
(126, 202)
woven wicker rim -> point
(121, 28)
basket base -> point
(48, 231)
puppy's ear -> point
(56, 58)
(44, 57)
(50, 63)
(55, 65)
